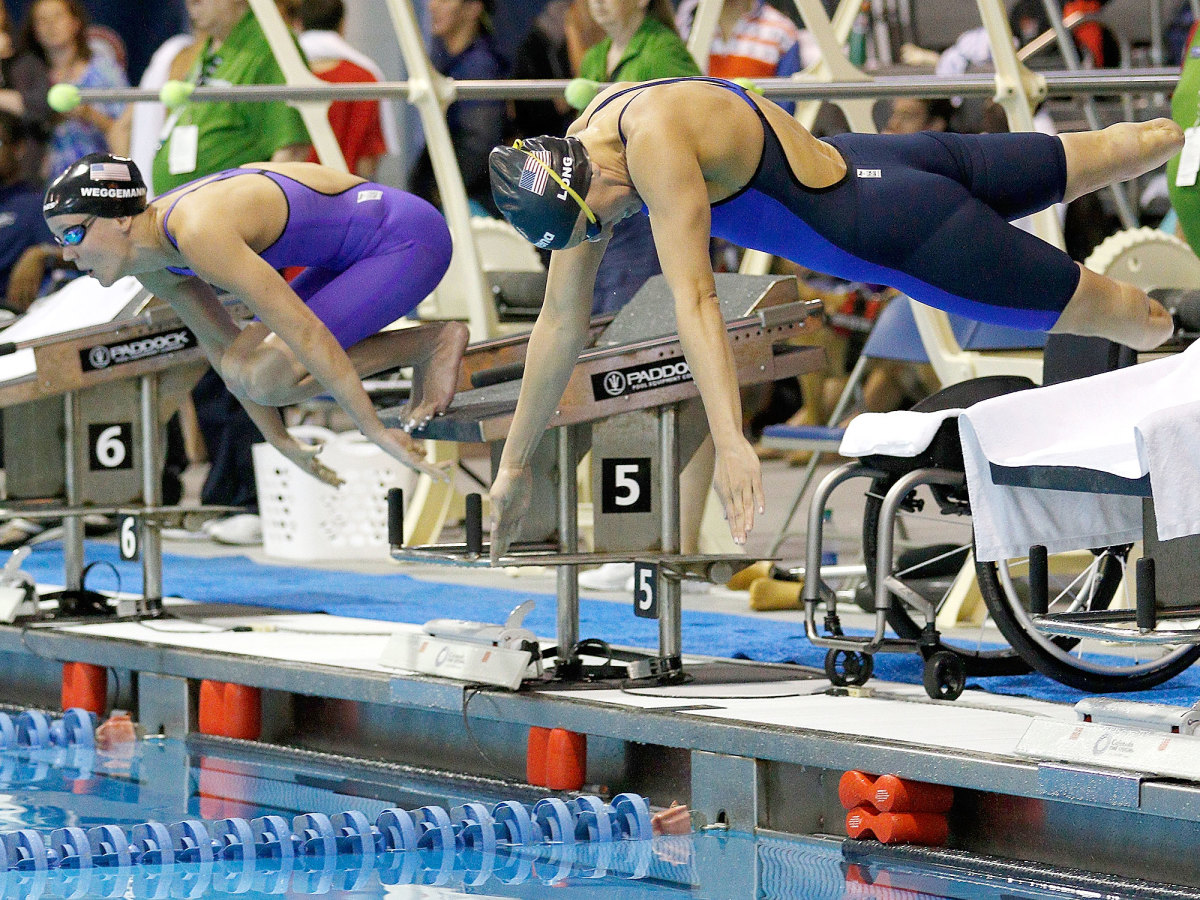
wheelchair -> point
(910, 589)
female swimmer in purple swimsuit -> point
(372, 252)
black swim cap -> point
(539, 185)
(101, 185)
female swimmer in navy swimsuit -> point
(372, 252)
(926, 213)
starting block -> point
(627, 398)
(83, 412)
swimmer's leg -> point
(356, 305)
(273, 375)
(1117, 153)
(1102, 307)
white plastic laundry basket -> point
(303, 518)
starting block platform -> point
(636, 366)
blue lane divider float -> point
(472, 827)
(549, 864)
(36, 730)
(315, 853)
(426, 845)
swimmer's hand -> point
(410, 451)
(510, 495)
(304, 456)
(675, 819)
(738, 480)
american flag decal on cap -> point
(109, 172)
(533, 173)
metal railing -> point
(1058, 84)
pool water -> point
(169, 781)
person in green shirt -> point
(640, 44)
(201, 139)
(1182, 182)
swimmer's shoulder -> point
(601, 99)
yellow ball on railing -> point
(176, 93)
(63, 97)
(581, 91)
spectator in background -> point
(640, 44)
(912, 114)
(365, 129)
(26, 249)
(753, 40)
(1179, 32)
(544, 53)
(24, 83)
(462, 47)
(582, 33)
(201, 139)
(1090, 36)
(138, 131)
(1026, 20)
(56, 31)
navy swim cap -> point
(539, 185)
(101, 185)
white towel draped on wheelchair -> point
(1140, 420)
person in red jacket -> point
(365, 129)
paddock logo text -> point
(103, 356)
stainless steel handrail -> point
(1058, 83)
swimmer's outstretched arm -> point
(672, 185)
(222, 258)
(557, 338)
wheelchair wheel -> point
(848, 667)
(927, 574)
(1088, 584)
(945, 676)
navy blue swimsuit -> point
(925, 213)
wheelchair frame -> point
(848, 661)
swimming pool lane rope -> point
(508, 834)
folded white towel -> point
(1090, 423)
(902, 433)
(1168, 443)
(1009, 520)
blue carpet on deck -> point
(402, 598)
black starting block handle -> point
(1147, 595)
(8, 347)
(474, 524)
(395, 517)
(1039, 580)
(497, 375)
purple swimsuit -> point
(372, 252)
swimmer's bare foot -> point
(435, 376)
(1117, 153)
(1120, 312)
